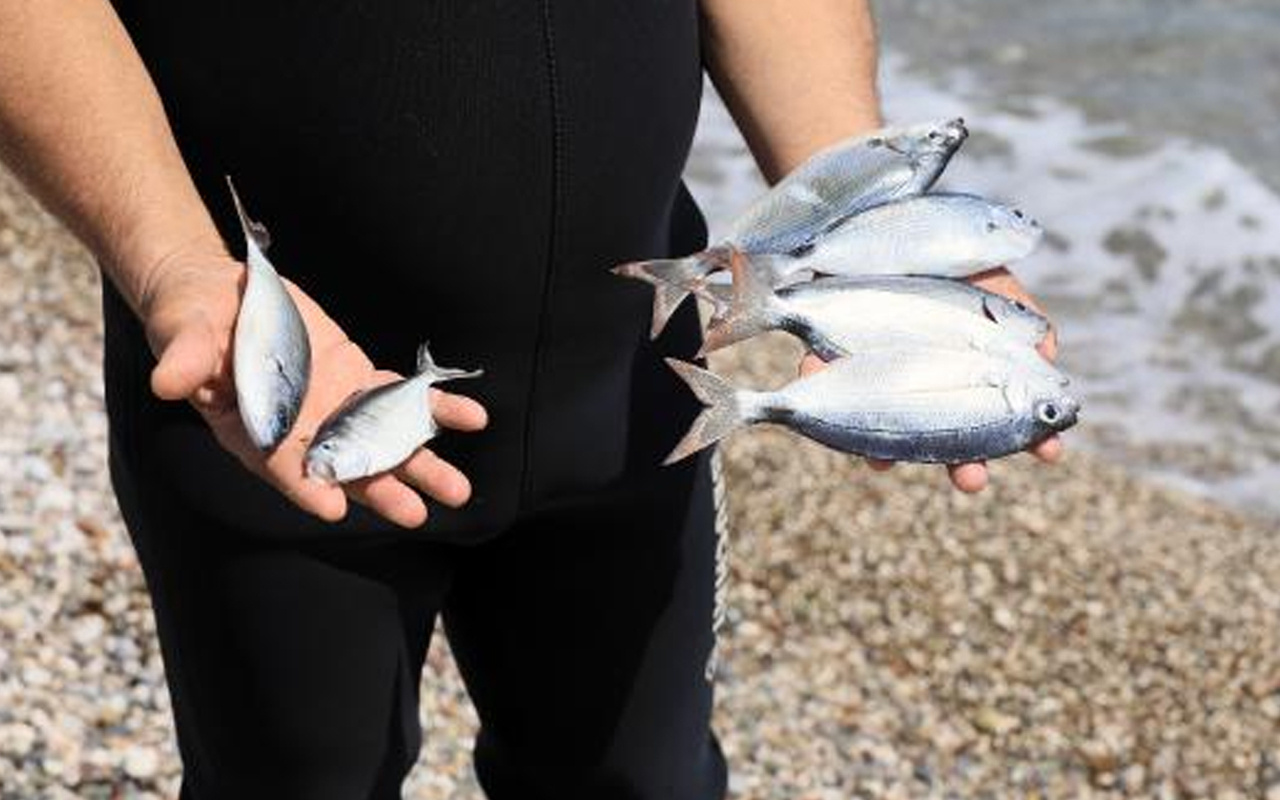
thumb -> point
(188, 361)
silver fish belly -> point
(932, 421)
(949, 235)
(380, 429)
(839, 316)
(922, 408)
(271, 353)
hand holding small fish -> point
(973, 477)
(189, 310)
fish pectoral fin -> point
(805, 194)
(1006, 391)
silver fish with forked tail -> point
(846, 179)
(379, 429)
(840, 316)
(272, 354)
(947, 235)
(912, 406)
(836, 183)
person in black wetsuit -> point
(457, 172)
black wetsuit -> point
(462, 172)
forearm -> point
(82, 125)
(797, 75)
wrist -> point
(137, 258)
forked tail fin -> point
(674, 279)
(727, 409)
(427, 366)
(254, 232)
(753, 309)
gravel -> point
(1070, 633)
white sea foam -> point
(1162, 270)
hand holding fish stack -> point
(855, 256)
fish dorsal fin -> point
(254, 232)
(424, 363)
(434, 373)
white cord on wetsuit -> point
(719, 499)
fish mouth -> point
(322, 470)
(955, 131)
(1029, 237)
(1069, 414)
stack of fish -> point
(853, 254)
(374, 431)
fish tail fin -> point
(727, 409)
(255, 232)
(752, 310)
(720, 296)
(673, 280)
(427, 366)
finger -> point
(283, 469)
(189, 360)
(436, 477)
(325, 501)
(387, 495)
(1049, 347)
(968, 478)
(878, 465)
(1050, 450)
(810, 364)
(458, 412)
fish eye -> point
(1018, 304)
(1048, 413)
(992, 227)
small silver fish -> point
(846, 179)
(379, 429)
(833, 185)
(949, 235)
(272, 354)
(910, 406)
(840, 316)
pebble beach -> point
(1071, 633)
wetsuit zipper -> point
(553, 245)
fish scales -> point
(841, 316)
(854, 175)
(922, 410)
(842, 180)
(940, 427)
(271, 360)
(949, 235)
(381, 428)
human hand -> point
(189, 306)
(973, 477)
